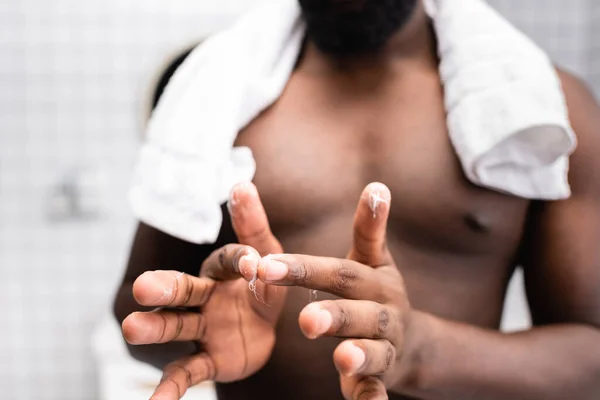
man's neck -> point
(414, 42)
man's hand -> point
(374, 313)
(233, 329)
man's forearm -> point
(156, 355)
(447, 360)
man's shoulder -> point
(584, 115)
(578, 93)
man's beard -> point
(353, 27)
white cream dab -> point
(252, 283)
(375, 200)
(254, 289)
(168, 292)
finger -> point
(250, 220)
(348, 384)
(231, 262)
(370, 224)
(172, 289)
(182, 375)
(162, 327)
(364, 357)
(343, 278)
(349, 319)
(366, 388)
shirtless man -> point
(415, 313)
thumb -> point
(370, 223)
(249, 220)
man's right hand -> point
(233, 327)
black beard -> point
(353, 27)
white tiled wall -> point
(73, 75)
(595, 46)
(562, 27)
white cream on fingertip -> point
(375, 199)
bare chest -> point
(316, 151)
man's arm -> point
(560, 357)
(154, 250)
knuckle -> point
(189, 289)
(383, 358)
(258, 235)
(382, 323)
(161, 337)
(367, 389)
(210, 369)
(222, 257)
(170, 380)
(302, 272)
(177, 374)
(364, 246)
(207, 290)
(365, 236)
(201, 328)
(345, 277)
(188, 377)
(177, 370)
(342, 316)
(179, 328)
(390, 356)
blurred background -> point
(77, 80)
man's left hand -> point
(374, 313)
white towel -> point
(506, 112)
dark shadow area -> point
(166, 76)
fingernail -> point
(248, 265)
(324, 321)
(239, 196)
(376, 194)
(246, 187)
(357, 357)
(275, 271)
(233, 201)
(155, 282)
(250, 189)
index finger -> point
(249, 220)
(370, 223)
(340, 277)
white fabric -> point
(498, 85)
